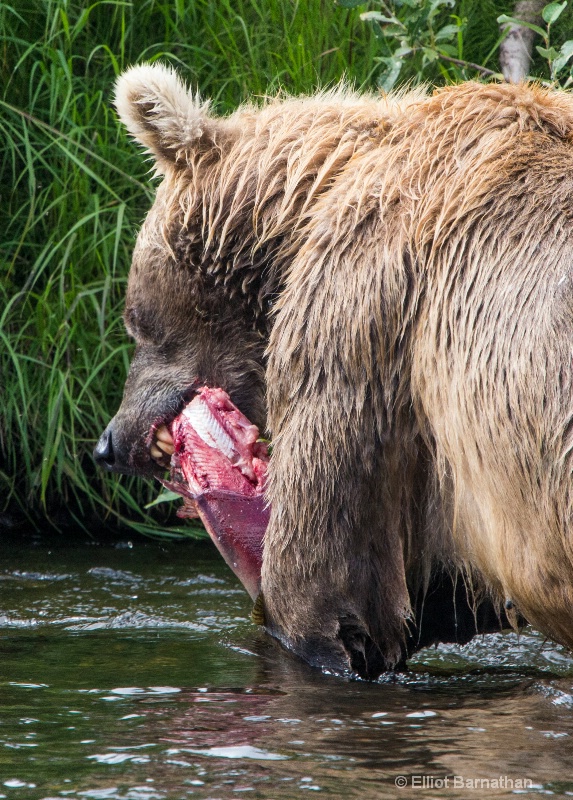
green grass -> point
(73, 191)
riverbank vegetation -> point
(73, 191)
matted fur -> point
(406, 263)
(456, 237)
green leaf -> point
(376, 16)
(435, 5)
(391, 74)
(164, 497)
(563, 57)
(447, 32)
(430, 54)
(552, 12)
(350, 3)
(522, 23)
(390, 30)
(548, 53)
(448, 50)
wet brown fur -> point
(406, 263)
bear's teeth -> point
(162, 434)
(208, 428)
(167, 448)
(155, 451)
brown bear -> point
(384, 284)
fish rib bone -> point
(208, 428)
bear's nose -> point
(104, 454)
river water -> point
(133, 672)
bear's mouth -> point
(218, 464)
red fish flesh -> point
(219, 467)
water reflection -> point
(135, 673)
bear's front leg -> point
(333, 577)
(340, 487)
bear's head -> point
(195, 299)
(206, 265)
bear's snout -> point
(104, 453)
(124, 447)
(110, 454)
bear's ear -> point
(163, 115)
